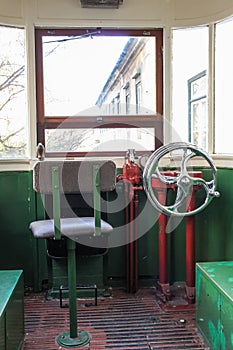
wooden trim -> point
(39, 78)
(45, 122)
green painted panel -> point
(226, 324)
(208, 316)
(19, 206)
(8, 282)
(115, 260)
(15, 318)
(17, 210)
(176, 252)
(2, 333)
(16, 247)
(214, 226)
(89, 271)
(11, 309)
(221, 274)
(148, 241)
(215, 303)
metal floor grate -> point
(122, 321)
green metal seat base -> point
(66, 341)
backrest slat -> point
(75, 176)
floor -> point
(120, 321)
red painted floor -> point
(122, 321)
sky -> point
(77, 70)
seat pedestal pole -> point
(75, 337)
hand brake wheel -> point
(184, 182)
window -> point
(197, 99)
(138, 96)
(13, 109)
(118, 103)
(189, 92)
(223, 87)
(127, 98)
(138, 90)
(190, 98)
(82, 78)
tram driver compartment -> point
(116, 165)
(162, 190)
(78, 239)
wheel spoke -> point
(166, 180)
(186, 157)
(180, 199)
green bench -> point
(11, 310)
(214, 303)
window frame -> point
(192, 100)
(124, 121)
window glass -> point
(223, 90)
(189, 98)
(99, 140)
(13, 109)
(85, 74)
(197, 97)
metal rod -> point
(136, 206)
(163, 283)
(96, 200)
(56, 203)
(71, 245)
(190, 250)
(126, 190)
(131, 246)
(162, 242)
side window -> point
(223, 87)
(189, 90)
(197, 107)
(13, 107)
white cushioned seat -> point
(70, 227)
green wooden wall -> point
(214, 233)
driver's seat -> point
(74, 177)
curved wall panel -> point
(130, 14)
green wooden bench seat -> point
(215, 303)
(11, 309)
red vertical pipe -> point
(126, 188)
(131, 212)
(136, 205)
(162, 241)
(131, 246)
(190, 250)
(130, 249)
